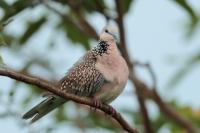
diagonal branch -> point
(166, 109)
(151, 72)
(172, 114)
(48, 86)
(152, 94)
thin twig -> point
(48, 86)
(7, 22)
(151, 71)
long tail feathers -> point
(43, 108)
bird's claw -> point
(97, 103)
(112, 111)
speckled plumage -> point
(83, 78)
(101, 73)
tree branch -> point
(124, 52)
(172, 114)
(166, 109)
(151, 71)
(120, 23)
(142, 89)
(48, 86)
(141, 96)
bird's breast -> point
(115, 71)
(113, 67)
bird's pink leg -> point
(112, 111)
(96, 102)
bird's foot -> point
(111, 110)
(97, 103)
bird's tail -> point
(43, 108)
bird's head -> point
(110, 33)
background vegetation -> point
(31, 34)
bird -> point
(101, 74)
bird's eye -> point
(106, 31)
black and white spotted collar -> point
(101, 48)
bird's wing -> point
(83, 78)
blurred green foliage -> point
(70, 13)
(191, 114)
(126, 6)
(189, 64)
(1, 60)
(72, 32)
(2, 41)
(32, 27)
(193, 16)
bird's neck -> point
(105, 47)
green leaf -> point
(2, 40)
(158, 122)
(194, 19)
(194, 59)
(178, 76)
(135, 115)
(183, 71)
(33, 27)
(187, 112)
(75, 35)
(3, 4)
(16, 8)
(2, 34)
(7, 39)
(91, 6)
(6, 23)
(88, 6)
(126, 5)
(188, 8)
(1, 60)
